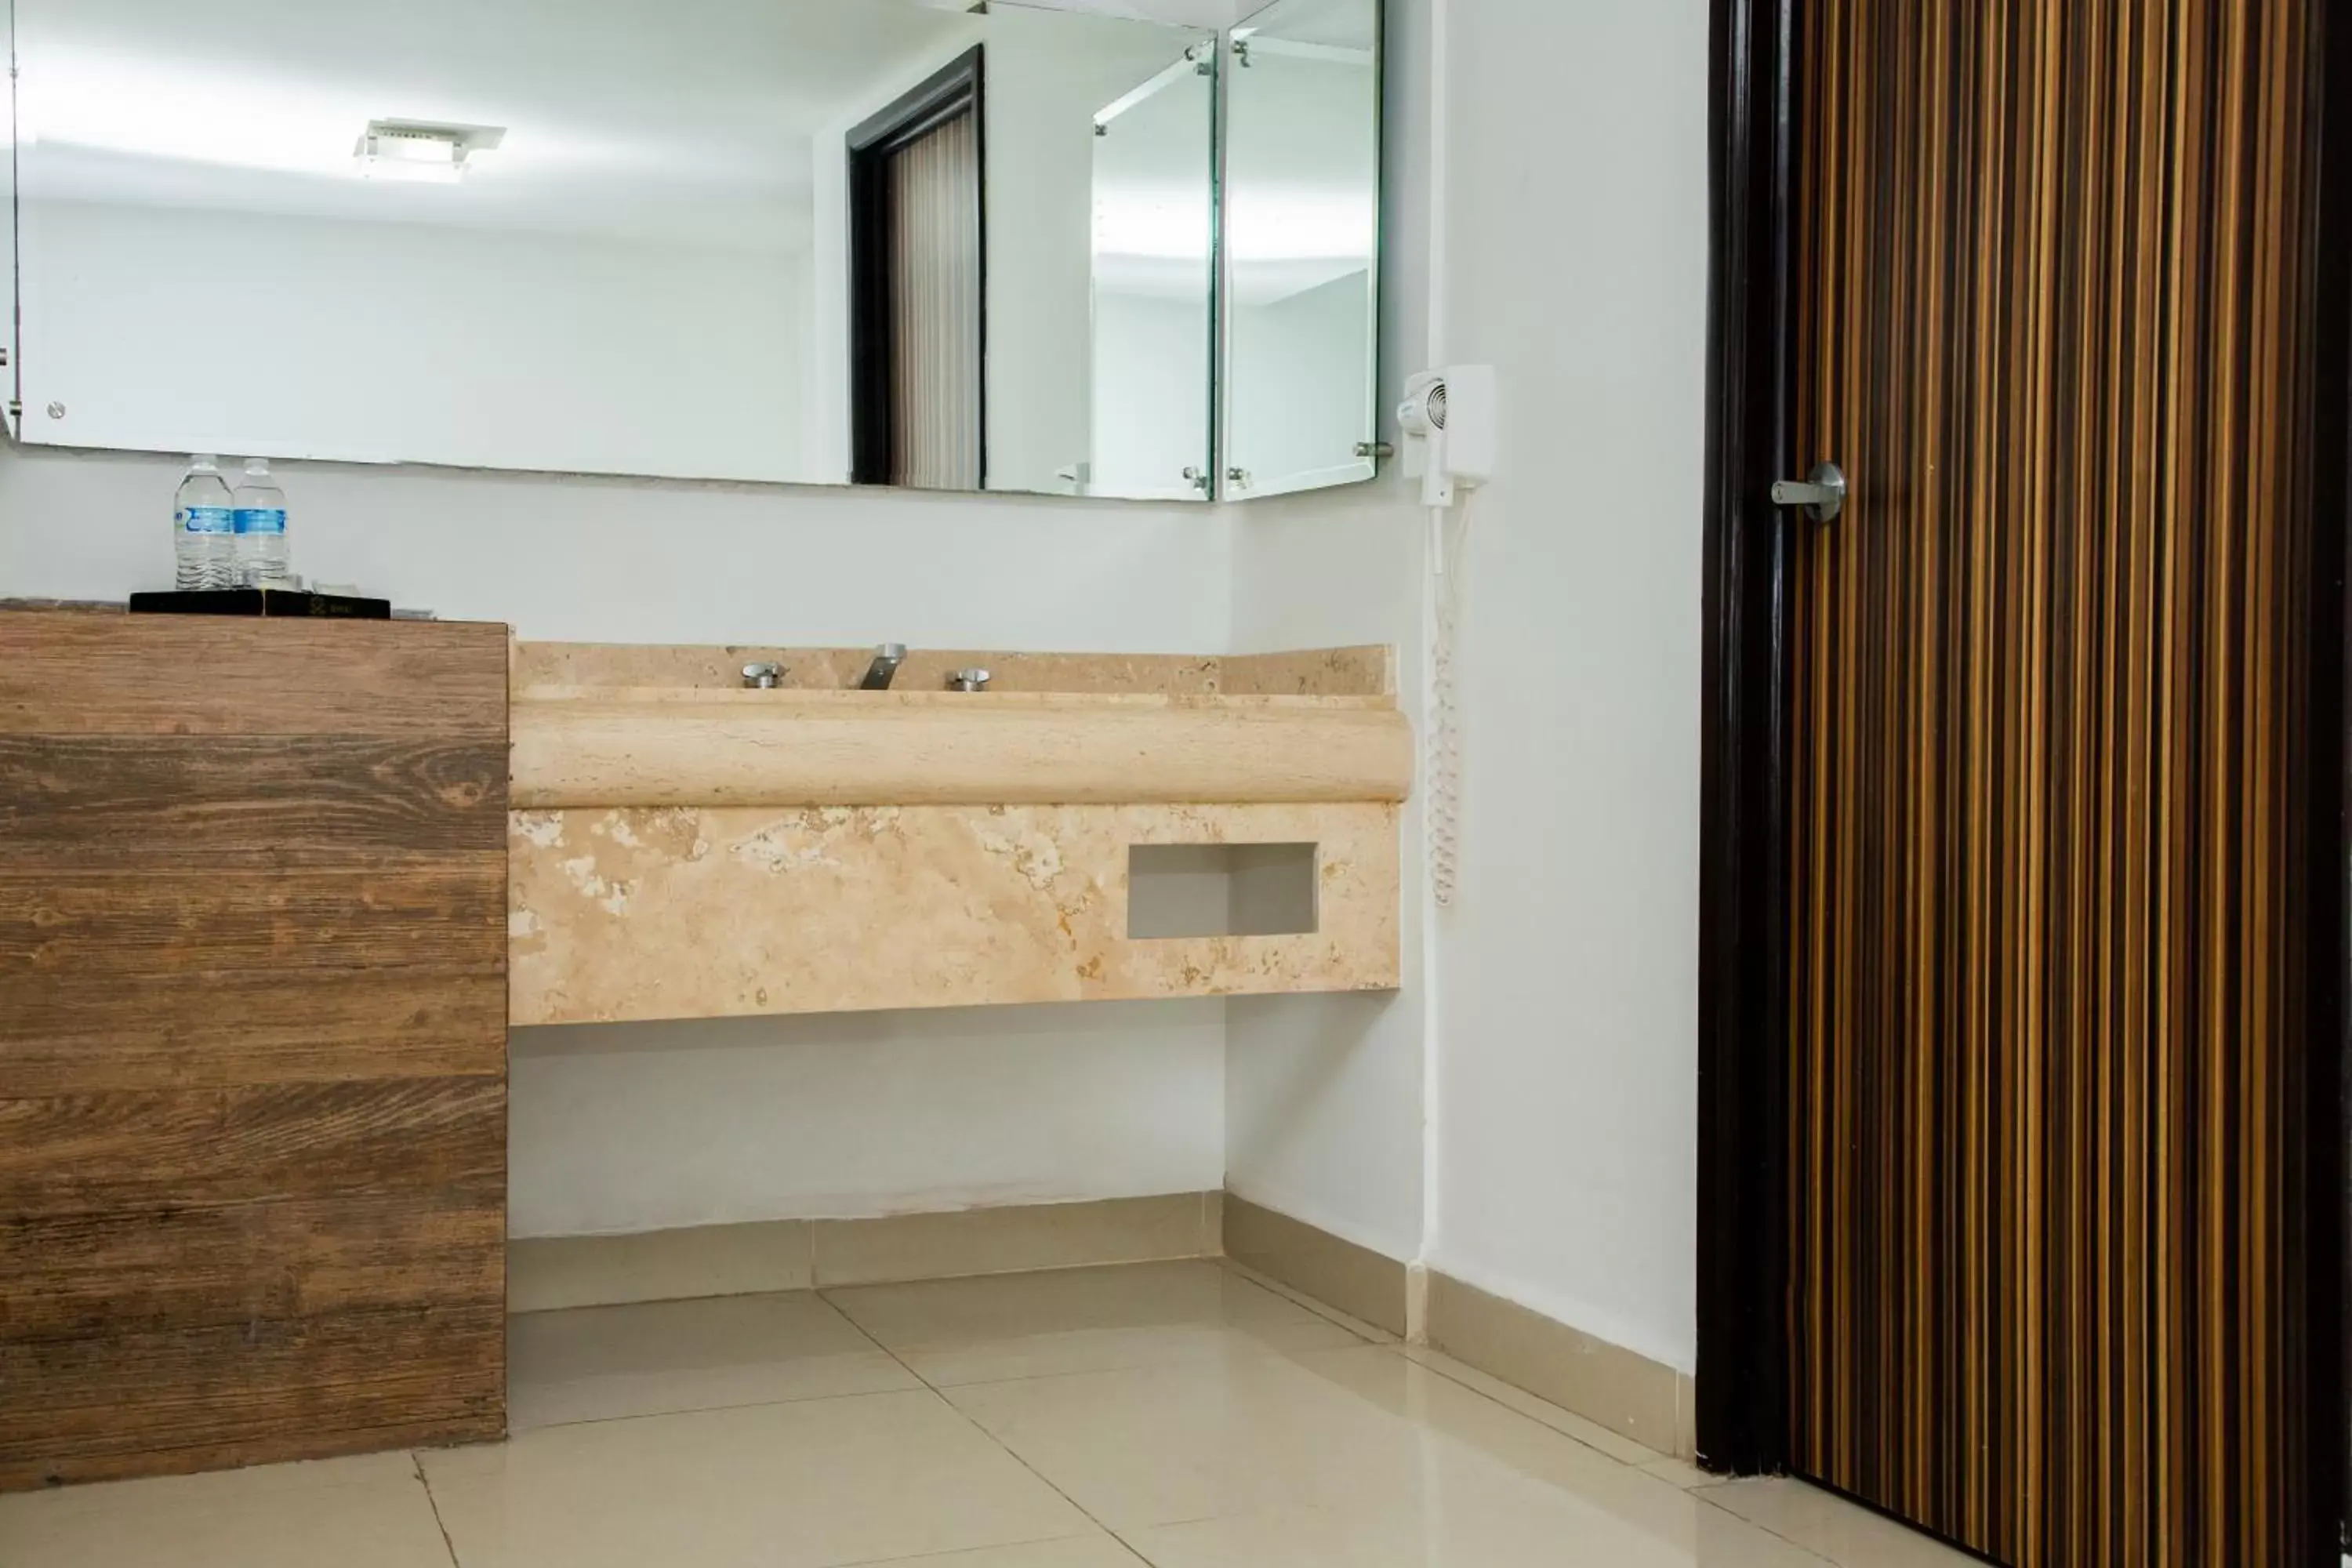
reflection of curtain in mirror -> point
(935, 302)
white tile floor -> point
(1181, 1414)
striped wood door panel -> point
(2054, 283)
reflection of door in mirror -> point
(1152, 284)
(918, 332)
(1302, 182)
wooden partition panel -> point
(252, 1040)
(2052, 692)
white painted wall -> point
(1566, 1144)
(1558, 1080)
(162, 328)
(629, 1126)
(623, 1127)
(1325, 1108)
(591, 559)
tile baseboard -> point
(1644, 1401)
(1627, 1393)
(550, 1272)
(1356, 1280)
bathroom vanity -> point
(275, 891)
(1089, 828)
(262, 934)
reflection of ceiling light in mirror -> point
(182, 113)
(434, 155)
(117, 104)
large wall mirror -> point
(933, 243)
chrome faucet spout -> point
(887, 659)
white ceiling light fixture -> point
(413, 151)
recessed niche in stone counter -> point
(1176, 890)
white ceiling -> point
(675, 118)
(1333, 23)
(683, 120)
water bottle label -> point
(208, 520)
(261, 519)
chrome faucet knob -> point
(887, 656)
(762, 676)
(968, 680)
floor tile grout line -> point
(1819, 1556)
(1171, 1363)
(1727, 1482)
(447, 1545)
(954, 1552)
(1047, 1482)
(1026, 1270)
(966, 1416)
(718, 1409)
(1503, 1404)
(922, 1384)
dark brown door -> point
(2052, 311)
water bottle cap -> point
(204, 460)
(257, 465)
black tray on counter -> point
(262, 602)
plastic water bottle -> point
(202, 529)
(261, 554)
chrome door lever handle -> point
(1822, 493)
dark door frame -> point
(1743, 1396)
(1743, 1051)
(959, 87)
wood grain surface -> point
(252, 1040)
(262, 801)
(209, 1397)
(63, 674)
(2055, 285)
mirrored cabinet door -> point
(1302, 238)
(1152, 295)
